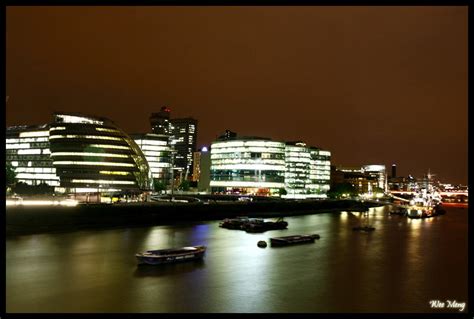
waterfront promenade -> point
(38, 219)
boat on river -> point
(172, 255)
(293, 240)
(260, 226)
(238, 222)
(427, 202)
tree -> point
(158, 185)
(283, 191)
(376, 190)
(338, 190)
(184, 186)
(10, 174)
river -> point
(400, 267)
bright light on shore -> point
(67, 202)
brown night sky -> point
(374, 85)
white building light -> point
(78, 119)
(92, 163)
(246, 184)
(89, 154)
(29, 151)
(34, 134)
(95, 137)
(106, 182)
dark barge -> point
(293, 240)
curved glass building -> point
(247, 165)
(94, 155)
(260, 166)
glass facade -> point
(377, 172)
(184, 137)
(297, 162)
(28, 151)
(248, 166)
(319, 173)
(94, 155)
(157, 152)
(264, 167)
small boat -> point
(165, 256)
(238, 223)
(260, 226)
(293, 240)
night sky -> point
(373, 85)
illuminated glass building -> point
(94, 155)
(378, 172)
(319, 173)
(157, 152)
(183, 137)
(160, 122)
(297, 162)
(28, 151)
(260, 166)
(365, 178)
(247, 165)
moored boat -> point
(292, 240)
(238, 222)
(260, 226)
(165, 256)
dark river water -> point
(400, 267)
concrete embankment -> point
(28, 219)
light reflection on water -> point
(399, 267)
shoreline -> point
(27, 220)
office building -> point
(366, 179)
(297, 169)
(183, 139)
(28, 151)
(157, 152)
(319, 173)
(160, 122)
(184, 133)
(260, 166)
(247, 165)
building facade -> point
(28, 151)
(184, 136)
(366, 179)
(260, 166)
(247, 165)
(157, 152)
(183, 139)
(297, 169)
(319, 173)
(78, 154)
(160, 122)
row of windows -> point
(242, 173)
(267, 179)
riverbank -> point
(22, 220)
